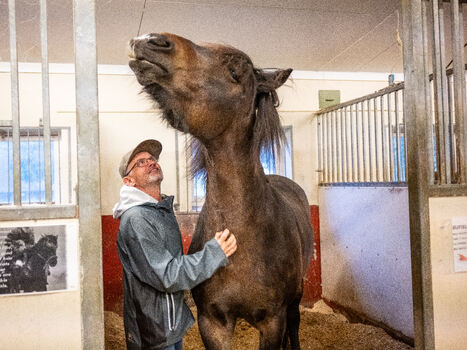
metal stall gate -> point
(54, 197)
(409, 134)
(436, 114)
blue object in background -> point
(32, 172)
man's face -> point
(20, 245)
(144, 174)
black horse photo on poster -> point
(32, 259)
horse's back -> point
(294, 197)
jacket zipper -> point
(170, 313)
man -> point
(156, 272)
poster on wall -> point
(34, 259)
(459, 239)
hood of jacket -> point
(129, 198)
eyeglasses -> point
(142, 162)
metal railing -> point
(53, 201)
(363, 140)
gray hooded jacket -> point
(155, 271)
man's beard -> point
(156, 177)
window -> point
(32, 165)
(281, 166)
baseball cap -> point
(151, 146)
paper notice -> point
(459, 239)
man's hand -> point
(227, 241)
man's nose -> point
(153, 164)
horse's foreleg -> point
(272, 331)
(216, 331)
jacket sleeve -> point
(153, 264)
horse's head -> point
(204, 90)
(48, 244)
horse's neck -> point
(234, 186)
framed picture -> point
(38, 258)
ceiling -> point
(316, 35)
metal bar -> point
(338, 147)
(87, 125)
(347, 148)
(329, 147)
(452, 148)
(429, 119)
(370, 153)
(333, 145)
(29, 168)
(415, 113)
(391, 151)
(70, 186)
(59, 159)
(375, 114)
(320, 148)
(352, 144)
(444, 91)
(46, 103)
(398, 136)
(440, 86)
(187, 181)
(9, 177)
(438, 102)
(457, 34)
(343, 145)
(177, 169)
(15, 104)
(405, 136)
(364, 178)
(40, 163)
(357, 141)
(383, 141)
(325, 149)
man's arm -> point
(153, 264)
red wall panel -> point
(112, 269)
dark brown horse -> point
(41, 257)
(217, 95)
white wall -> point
(365, 252)
(45, 321)
(449, 287)
(127, 117)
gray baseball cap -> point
(151, 146)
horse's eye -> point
(234, 76)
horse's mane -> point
(41, 242)
(265, 133)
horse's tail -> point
(293, 325)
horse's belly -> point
(244, 290)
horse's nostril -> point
(160, 42)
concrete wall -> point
(365, 252)
(449, 287)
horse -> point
(228, 106)
(38, 262)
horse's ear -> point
(270, 80)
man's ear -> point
(129, 181)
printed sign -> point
(33, 259)
(459, 239)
